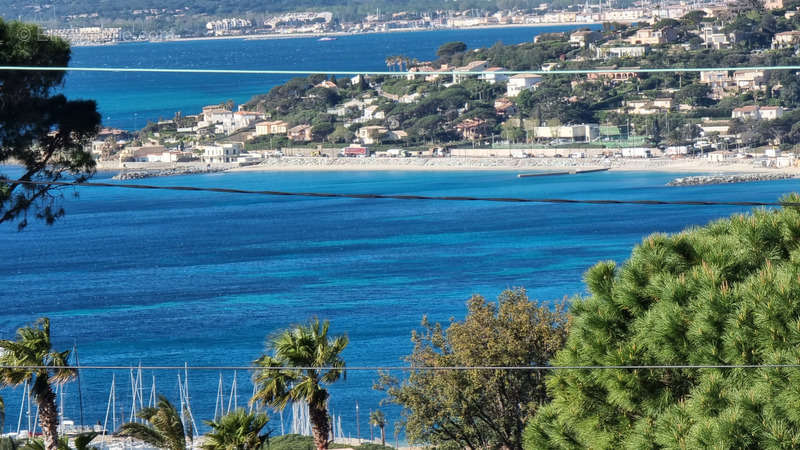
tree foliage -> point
(164, 430)
(31, 359)
(43, 132)
(724, 294)
(310, 349)
(479, 408)
(237, 430)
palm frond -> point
(142, 433)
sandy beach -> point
(510, 164)
(292, 163)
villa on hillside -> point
(757, 112)
(473, 129)
(522, 82)
(649, 36)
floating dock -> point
(549, 174)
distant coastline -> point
(268, 36)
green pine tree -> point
(724, 294)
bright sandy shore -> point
(292, 163)
(507, 164)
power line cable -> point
(369, 72)
(410, 197)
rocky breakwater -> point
(700, 180)
(137, 174)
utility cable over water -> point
(410, 197)
(391, 73)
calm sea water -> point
(129, 100)
(173, 277)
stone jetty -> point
(699, 180)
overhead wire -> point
(383, 73)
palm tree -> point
(304, 359)
(379, 420)
(237, 430)
(31, 359)
(83, 440)
(165, 428)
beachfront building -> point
(572, 133)
(222, 153)
(522, 82)
(300, 133)
(150, 153)
(473, 129)
(372, 134)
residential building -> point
(584, 37)
(621, 74)
(152, 153)
(714, 37)
(327, 84)
(620, 52)
(504, 107)
(786, 39)
(522, 82)
(221, 153)
(648, 106)
(773, 4)
(473, 129)
(749, 79)
(372, 134)
(757, 112)
(300, 133)
(271, 127)
(770, 112)
(574, 133)
(492, 76)
(649, 36)
(474, 66)
(745, 112)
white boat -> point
(327, 38)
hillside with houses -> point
(465, 99)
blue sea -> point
(129, 100)
(167, 278)
(164, 278)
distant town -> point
(325, 23)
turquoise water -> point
(172, 277)
(129, 100)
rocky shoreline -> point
(701, 180)
(138, 174)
